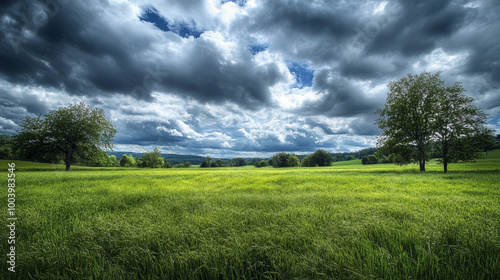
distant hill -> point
(172, 158)
(175, 159)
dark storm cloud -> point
(303, 30)
(207, 79)
(15, 106)
(339, 98)
(77, 50)
(417, 27)
(151, 133)
(302, 17)
(373, 67)
(72, 49)
(482, 42)
(365, 126)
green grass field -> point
(347, 221)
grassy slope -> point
(342, 222)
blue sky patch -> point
(255, 49)
(182, 29)
(303, 73)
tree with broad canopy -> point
(421, 110)
(74, 130)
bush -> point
(153, 160)
(219, 163)
(318, 158)
(371, 159)
(285, 160)
(98, 159)
(183, 165)
(207, 163)
(167, 165)
(127, 161)
(261, 163)
(238, 162)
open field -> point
(347, 221)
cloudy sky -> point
(240, 78)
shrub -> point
(261, 163)
(183, 165)
(371, 159)
(127, 161)
(285, 160)
(153, 160)
(318, 158)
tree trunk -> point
(67, 159)
(421, 158)
(422, 165)
(445, 157)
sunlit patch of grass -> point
(346, 221)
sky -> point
(242, 78)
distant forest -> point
(197, 160)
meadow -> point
(346, 221)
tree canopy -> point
(153, 159)
(285, 160)
(318, 158)
(421, 110)
(76, 130)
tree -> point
(186, 164)
(420, 110)
(318, 158)
(406, 120)
(285, 160)
(207, 162)
(153, 159)
(370, 159)
(293, 161)
(5, 147)
(127, 161)
(237, 162)
(261, 163)
(459, 127)
(219, 163)
(74, 130)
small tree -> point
(318, 158)
(285, 160)
(153, 159)
(74, 130)
(186, 164)
(127, 161)
(280, 160)
(207, 162)
(238, 162)
(293, 161)
(219, 163)
(262, 163)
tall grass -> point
(340, 222)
